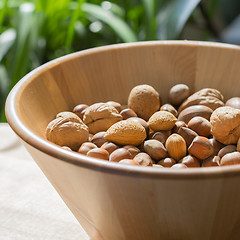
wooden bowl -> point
(113, 201)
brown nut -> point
(98, 153)
(162, 121)
(212, 161)
(67, 148)
(119, 154)
(110, 147)
(115, 104)
(155, 149)
(188, 135)
(227, 149)
(201, 126)
(169, 108)
(86, 147)
(143, 159)
(132, 149)
(178, 125)
(201, 148)
(225, 125)
(100, 116)
(216, 145)
(179, 165)
(233, 102)
(98, 138)
(128, 162)
(157, 166)
(167, 162)
(142, 122)
(196, 110)
(80, 109)
(176, 146)
(178, 94)
(126, 132)
(230, 159)
(238, 145)
(144, 100)
(190, 161)
(127, 113)
(67, 130)
(209, 97)
(161, 136)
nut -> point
(190, 161)
(169, 108)
(127, 113)
(167, 162)
(98, 153)
(115, 104)
(86, 147)
(80, 110)
(132, 149)
(126, 132)
(178, 94)
(178, 125)
(230, 159)
(100, 116)
(144, 100)
(109, 146)
(176, 146)
(162, 120)
(188, 135)
(196, 110)
(233, 102)
(143, 159)
(128, 162)
(67, 148)
(67, 130)
(200, 125)
(227, 149)
(212, 161)
(157, 166)
(216, 145)
(161, 136)
(179, 165)
(238, 145)
(209, 97)
(119, 154)
(155, 149)
(142, 122)
(225, 125)
(201, 148)
(98, 138)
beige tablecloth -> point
(30, 208)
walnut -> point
(67, 130)
(225, 125)
(209, 97)
(100, 116)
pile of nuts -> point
(197, 130)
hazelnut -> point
(143, 159)
(100, 116)
(233, 102)
(167, 162)
(144, 100)
(178, 94)
(176, 146)
(127, 113)
(225, 125)
(179, 165)
(201, 148)
(216, 145)
(238, 145)
(98, 138)
(227, 149)
(212, 161)
(86, 147)
(178, 125)
(230, 159)
(98, 153)
(169, 108)
(119, 154)
(80, 109)
(188, 135)
(109, 146)
(155, 149)
(162, 120)
(190, 161)
(132, 149)
(128, 162)
(157, 166)
(115, 104)
(161, 136)
(200, 125)
(67, 148)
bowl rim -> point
(81, 160)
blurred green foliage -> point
(37, 31)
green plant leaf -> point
(173, 16)
(7, 39)
(117, 24)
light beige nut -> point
(176, 146)
(225, 125)
(126, 132)
(209, 97)
(115, 104)
(143, 159)
(100, 116)
(178, 93)
(67, 130)
(230, 159)
(128, 162)
(144, 100)
(162, 120)
(233, 102)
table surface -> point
(30, 208)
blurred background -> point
(37, 31)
